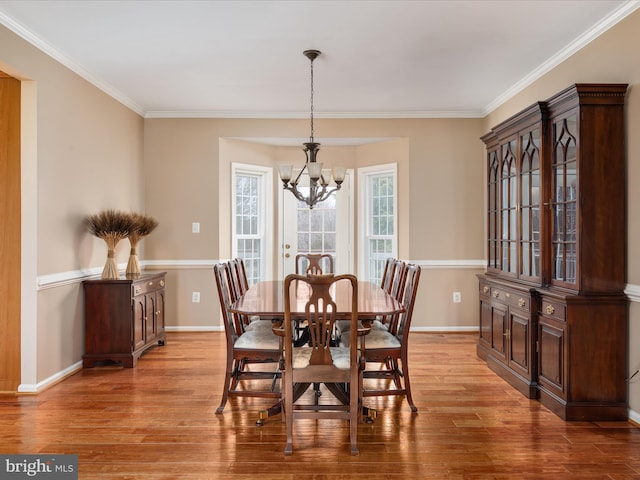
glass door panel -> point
(564, 178)
(530, 204)
(508, 207)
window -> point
(251, 219)
(317, 227)
(379, 219)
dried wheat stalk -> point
(144, 225)
(111, 226)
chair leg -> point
(354, 412)
(227, 384)
(288, 414)
(407, 383)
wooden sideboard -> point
(123, 318)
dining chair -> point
(318, 361)
(241, 283)
(389, 347)
(396, 284)
(238, 285)
(246, 344)
(314, 263)
(387, 276)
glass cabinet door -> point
(563, 201)
(493, 237)
(508, 208)
(530, 204)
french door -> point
(327, 228)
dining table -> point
(265, 299)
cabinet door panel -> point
(160, 312)
(498, 330)
(138, 322)
(551, 355)
(519, 338)
(150, 308)
(485, 324)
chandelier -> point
(318, 188)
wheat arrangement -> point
(111, 226)
(144, 225)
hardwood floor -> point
(158, 421)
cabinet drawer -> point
(516, 300)
(485, 289)
(146, 286)
(553, 309)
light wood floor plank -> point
(158, 421)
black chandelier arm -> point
(316, 193)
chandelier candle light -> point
(318, 185)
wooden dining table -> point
(265, 299)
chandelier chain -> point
(311, 138)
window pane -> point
(381, 199)
(247, 221)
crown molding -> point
(328, 115)
(580, 42)
(54, 53)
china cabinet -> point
(123, 318)
(553, 313)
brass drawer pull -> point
(138, 290)
(550, 309)
(496, 294)
(521, 302)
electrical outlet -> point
(195, 297)
(195, 227)
(457, 297)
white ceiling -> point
(430, 58)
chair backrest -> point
(231, 322)
(412, 279)
(314, 263)
(242, 274)
(320, 315)
(237, 284)
(398, 283)
(387, 276)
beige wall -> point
(88, 151)
(440, 170)
(94, 153)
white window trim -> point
(265, 216)
(364, 212)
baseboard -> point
(26, 388)
(194, 329)
(634, 417)
(456, 329)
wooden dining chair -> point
(314, 263)
(387, 275)
(319, 362)
(398, 269)
(246, 344)
(388, 348)
(241, 283)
